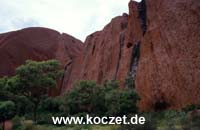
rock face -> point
(158, 44)
(103, 55)
(36, 44)
(168, 71)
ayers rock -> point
(157, 44)
(36, 44)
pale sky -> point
(78, 18)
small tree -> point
(51, 104)
(121, 102)
(2, 83)
(107, 99)
(80, 98)
(22, 104)
(34, 79)
(3, 92)
(7, 111)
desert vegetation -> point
(24, 100)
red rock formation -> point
(168, 71)
(158, 42)
(36, 44)
(104, 54)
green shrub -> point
(7, 111)
(108, 99)
(80, 98)
(51, 104)
(121, 102)
(23, 105)
(191, 122)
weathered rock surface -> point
(36, 44)
(106, 55)
(158, 43)
(169, 66)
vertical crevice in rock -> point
(93, 49)
(142, 11)
(134, 60)
(64, 74)
(121, 44)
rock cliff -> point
(168, 70)
(103, 55)
(157, 43)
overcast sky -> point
(78, 18)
